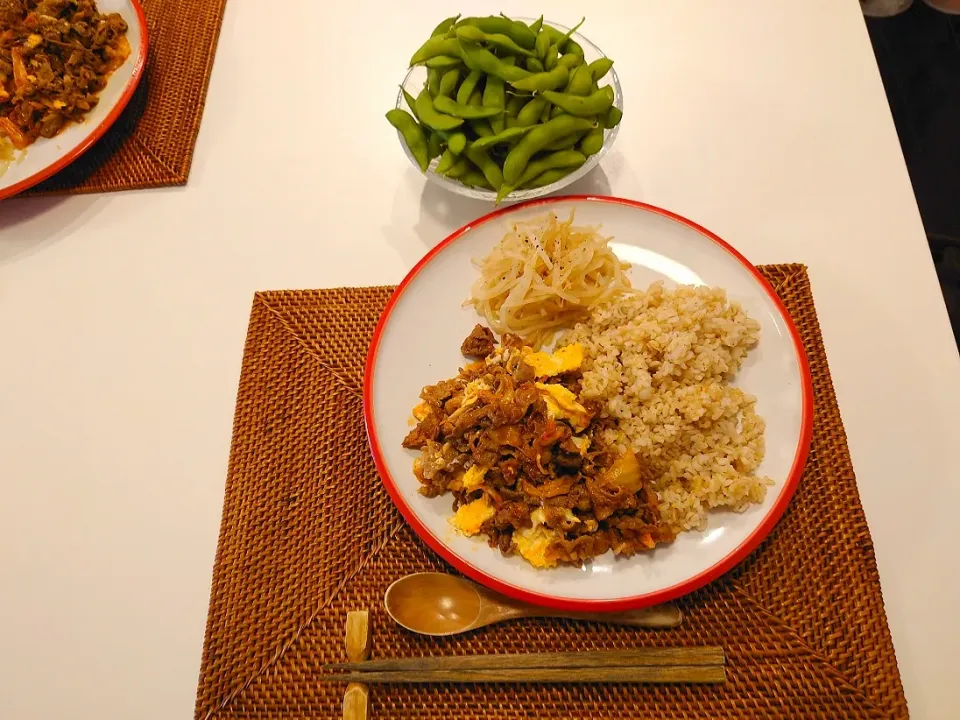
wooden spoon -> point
(441, 604)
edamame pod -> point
(516, 31)
(594, 104)
(442, 28)
(613, 117)
(600, 67)
(411, 101)
(547, 113)
(456, 142)
(412, 134)
(591, 144)
(459, 168)
(443, 62)
(570, 60)
(537, 139)
(479, 58)
(447, 106)
(565, 40)
(544, 81)
(448, 82)
(447, 161)
(530, 113)
(495, 96)
(551, 58)
(550, 34)
(536, 25)
(548, 178)
(566, 143)
(434, 145)
(515, 104)
(491, 171)
(433, 82)
(481, 128)
(562, 40)
(570, 159)
(468, 85)
(430, 117)
(542, 45)
(501, 137)
(580, 81)
(534, 65)
(472, 34)
(474, 178)
(435, 47)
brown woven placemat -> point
(309, 534)
(151, 143)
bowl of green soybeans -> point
(497, 108)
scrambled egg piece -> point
(582, 443)
(625, 472)
(470, 517)
(473, 478)
(539, 517)
(562, 404)
(532, 543)
(421, 411)
(471, 393)
(561, 361)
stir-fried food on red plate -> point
(55, 58)
(524, 458)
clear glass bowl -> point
(417, 76)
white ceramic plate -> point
(417, 343)
(48, 156)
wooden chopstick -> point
(357, 640)
(623, 674)
(708, 655)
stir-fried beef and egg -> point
(55, 58)
(524, 458)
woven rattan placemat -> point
(151, 143)
(309, 534)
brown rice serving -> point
(662, 360)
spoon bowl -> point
(439, 604)
(433, 603)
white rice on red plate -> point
(662, 360)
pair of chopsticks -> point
(640, 665)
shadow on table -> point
(594, 182)
(50, 219)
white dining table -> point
(122, 316)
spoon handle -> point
(661, 616)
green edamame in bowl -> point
(496, 108)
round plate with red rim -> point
(47, 156)
(417, 343)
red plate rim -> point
(563, 603)
(104, 125)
